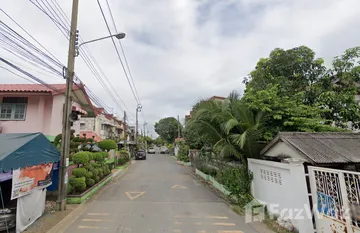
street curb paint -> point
(213, 182)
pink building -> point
(26, 108)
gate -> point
(336, 200)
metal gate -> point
(336, 200)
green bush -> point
(238, 182)
(107, 144)
(89, 140)
(99, 157)
(90, 182)
(121, 161)
(96, 165)
(208, 170)
(69, 189)
(95, 172)
(91, 156)
(80, 158)
(78, 184)
(106, 154)
(88, 166)
(79, 172)
(97, 179)
(89, 174)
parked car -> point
(151, 150)
(164, 150)
(7, 218)
(140, 154)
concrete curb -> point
(66, 222)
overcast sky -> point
(182, 50)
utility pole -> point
(178, 127)
(125, 130)
(65, 139)
(145, 134)
(138, 109)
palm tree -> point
(232, 128)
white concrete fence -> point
(282, 188)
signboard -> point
(26, 179)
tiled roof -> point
(90, 134)
(51, 88)
(322, 148)
(39, 88)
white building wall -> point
(281, 148)
(282, 187)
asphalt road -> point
(158, 195)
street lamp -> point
(138, 109)
(118, 36)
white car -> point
(151, 150)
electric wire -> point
(117, 52)
(87, 56)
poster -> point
(26, 179)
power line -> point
(17, 74)
(123, 51)
(117, 52)
(88, 58)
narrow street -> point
(158, 195)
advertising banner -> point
(26, 179)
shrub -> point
(238, 182)
(90, 182)
(97, 179)
(89, 174)
(208, 170)
(80, 158)
(69, 189)
(107, 144)
(89, 140)
(121, 161)
(99, 157)
(88, 166)
(96, 165)
(95, 172)
(105, 154)
(100, 170)
(79, 172)
(91, 156)
(78, 183)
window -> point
(82, 126)
(13, 108)
(12, 111)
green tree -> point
(193, 138)
(167, 128)
(299, 93)
(284, 113)
(231, 128)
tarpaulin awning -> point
(19, 150)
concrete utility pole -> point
(145, 134)
(125, 130)
(65, 139)
(138, 109)
(178, 127)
